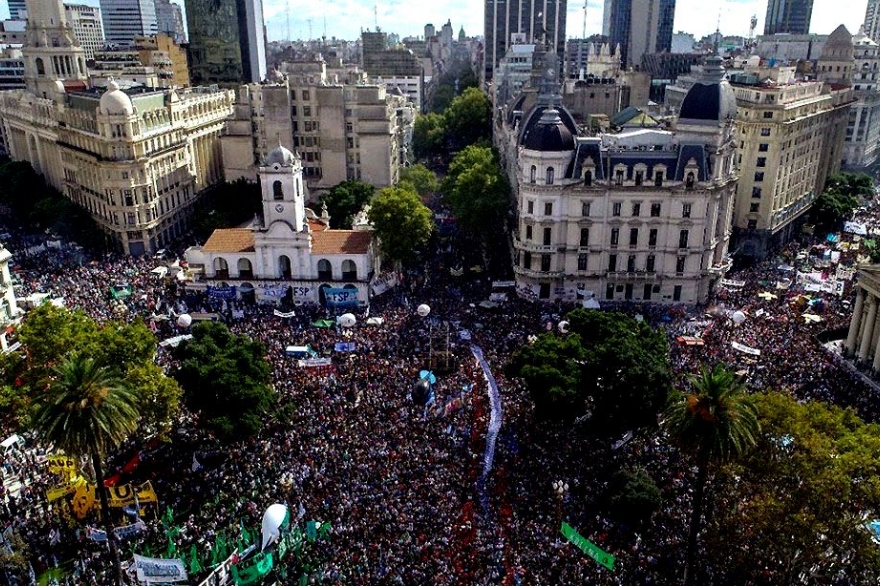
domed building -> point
(290, 252)
(640, 215)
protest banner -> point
(745, 349)
(591, 549)
(159, 571)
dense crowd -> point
(401, 485)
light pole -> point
(560, 487)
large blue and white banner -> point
(340, 297)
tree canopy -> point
(797, 505)
(609, 363)
(469, 118)
(429, 135)
(225, 378)
(843, 193)
(402, 223)
(345, 200)
(477, 190)
(423, 180)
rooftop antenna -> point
(325, 26)
(376, 15)
(309, 20)
(584, 35)
(753, 23)
(288, 20)
(718, 32)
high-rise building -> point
(862, 147)
(227, 41)
(788, 16)
(169, 17)
(54, 60)
(639, 26)
(16, 8)
(126, 19)
(87, 27)
(871, 25)
(522, 21)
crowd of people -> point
(401, 485)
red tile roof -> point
(230, 240)
(341, 242)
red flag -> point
(112, 480)
(132, 464)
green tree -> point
(157, 397)
(478, 191)
(609, 364)
(843, 193)
(714, 421)
(423, 180)
(632, 497)
(345, 200)
(797, 505)
(429, 135)
(225, 378)
(469, 118)
(401, 222)
(15, 562)
(856, 184)
(86, 411)
(442, 98)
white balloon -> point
(423, 310)
(563, 327)
(185, 320)
(346, 320)
(273, 518)
(738, 317)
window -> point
(646, 296)
(585, 237)
(658, 178)
(649, 264)
(588, 178)
(549, 175)
(762, 162)
(631, 263)
(527, 260)
(325, 270)
(615, 236)
(683, 239)
(652, 237)
(753, 225)
(689, 181)
(41, 68)
(530, 205)
(685, 210)
(655, 210)
(616, 208)
(277, 190)
(545, 262)
(768, 115)
(640, 177)
(679, 264)
(585, 209)
(628, 291)
(582, 262)
(756, 192)
(759, 176)
(533, 174)
(676, 293)
(612, 262)
(544, 291)
(633, 236)
(763, 147)
(609, 291)
(548, 234)
(528, 232)
(307, 110)
(765, 131)
(754, 208)
(305, 95)
(548, 208)
(618, 177)
(636, 210)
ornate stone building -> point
(863, 338)
(289, 252)
(136, 159)
(641, 215)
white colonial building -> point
(8, 308)
(640, 215)
(290, 252)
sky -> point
(345, 18)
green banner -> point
(585, 545)
(259, 567)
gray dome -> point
(280, 156)
(115, 101)
(550, 134)
(710, 99)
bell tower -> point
(281, 182)
(52, 54)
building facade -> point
(155, 62)
(862, 145)
(788, 16)
(227, 41)
(791, 138)
(639, 27)
(17, 9)
(863, 337)
(126, 19)
(642, 215)
(521, 21)
(289, 252)
(169, 21)
(8, 307)
(11, 70)
(87, 27)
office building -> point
(788, 16)
(862, 147)
(871, 26)
(169, 19)
(126, 19)
(639, 26)
(397, 68)
(154, 62)
(638, 215)
(227, 41)
(289, 252)
(11, 70)
(522, 22)
(87, 27)
(17, 9)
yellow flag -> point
(84, 500)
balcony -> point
(722, 267)
(533, 274)
(640, 276)
(529, 246)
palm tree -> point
(85, 410)
(715, 421)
